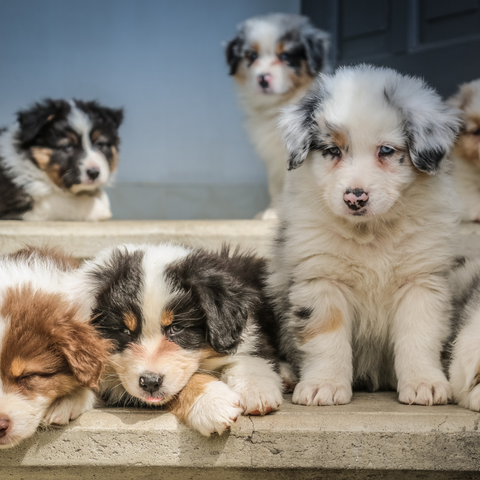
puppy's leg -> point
(206, 405)
(465, 366)
(321, 323)
(254, 380)
(420, 328)
(70, 407)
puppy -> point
(464, 369)
(55, 160)
(362, 249)
(466, 153)
(180, 318)
(49, 356)
(274, 60)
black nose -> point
(150, 382)
(262, 81)
(93, 173)
(4, 424)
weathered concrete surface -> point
(373, 435)
(85, 239)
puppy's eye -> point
(476, 132)
(174, 329)
(67, 148)
(384, 150)
(252, 56)
(126, 331)
(284, 56)
(334, 151)
(102, 144)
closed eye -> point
(174, 329)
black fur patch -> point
(303, 313)
(427, 160)
(234, 52)
(119, 292)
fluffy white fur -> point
(362, 293)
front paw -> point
(69, 408)
(216, 410)
(320, 393)
(425, 392)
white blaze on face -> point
(94, 161)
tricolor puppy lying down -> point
(180, 320)
(49, 355)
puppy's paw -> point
(314, 393)
(473, 399)
(216, 410)
(259, 395)
(69, 407)
(425, 392)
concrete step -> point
(373, 437)
(85, 239)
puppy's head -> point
(467, 146)
(367, 134)
(167, 309)
(75, 143)
(276, 54)
(46, 352)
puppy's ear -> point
(115, 115)
(316, 44)
(463, 97)
(106, 114)
(233, 52)
(83, 349)
(297, 123)
(32, 120)
(430, 125)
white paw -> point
(425, 392)
(315, 393)
(70, 407)
(216, 410)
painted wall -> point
(184, 151)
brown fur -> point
(467, 147)
(56, 351)
(185, 400)
(62, 260)
(333, 322)
(167, 318)
(130, 320)
(114, 160)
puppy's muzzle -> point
(355, 199)
(150, 383)
(264, 80)
(4, 425)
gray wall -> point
(184, 151)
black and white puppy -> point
(55, 160)
(363, 247)
(274, 60)
(180, 319)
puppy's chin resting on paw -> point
(55, 161)
(50, 356)
(362, 251)
(180, 320)
(274, 60)
(466, 153)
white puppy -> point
(274, 60)
(366, 218)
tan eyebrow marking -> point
(130, 320)
(167, 318)
(18, 366)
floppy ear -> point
(115, 115)
(84, 350)
(297, 124)
(35, 118)
(108, 115)
(430, 125)
(233, 52)
(316, 43)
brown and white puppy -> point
(49, 356)
(55, 161)
(274, 60)
(363, 247)
(466, 153)
(181, 319)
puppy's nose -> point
(264, 80)
(93, 173)
(150, 382)
(356, 198)
(4, 425)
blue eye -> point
(384, 150)
(283, 56)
